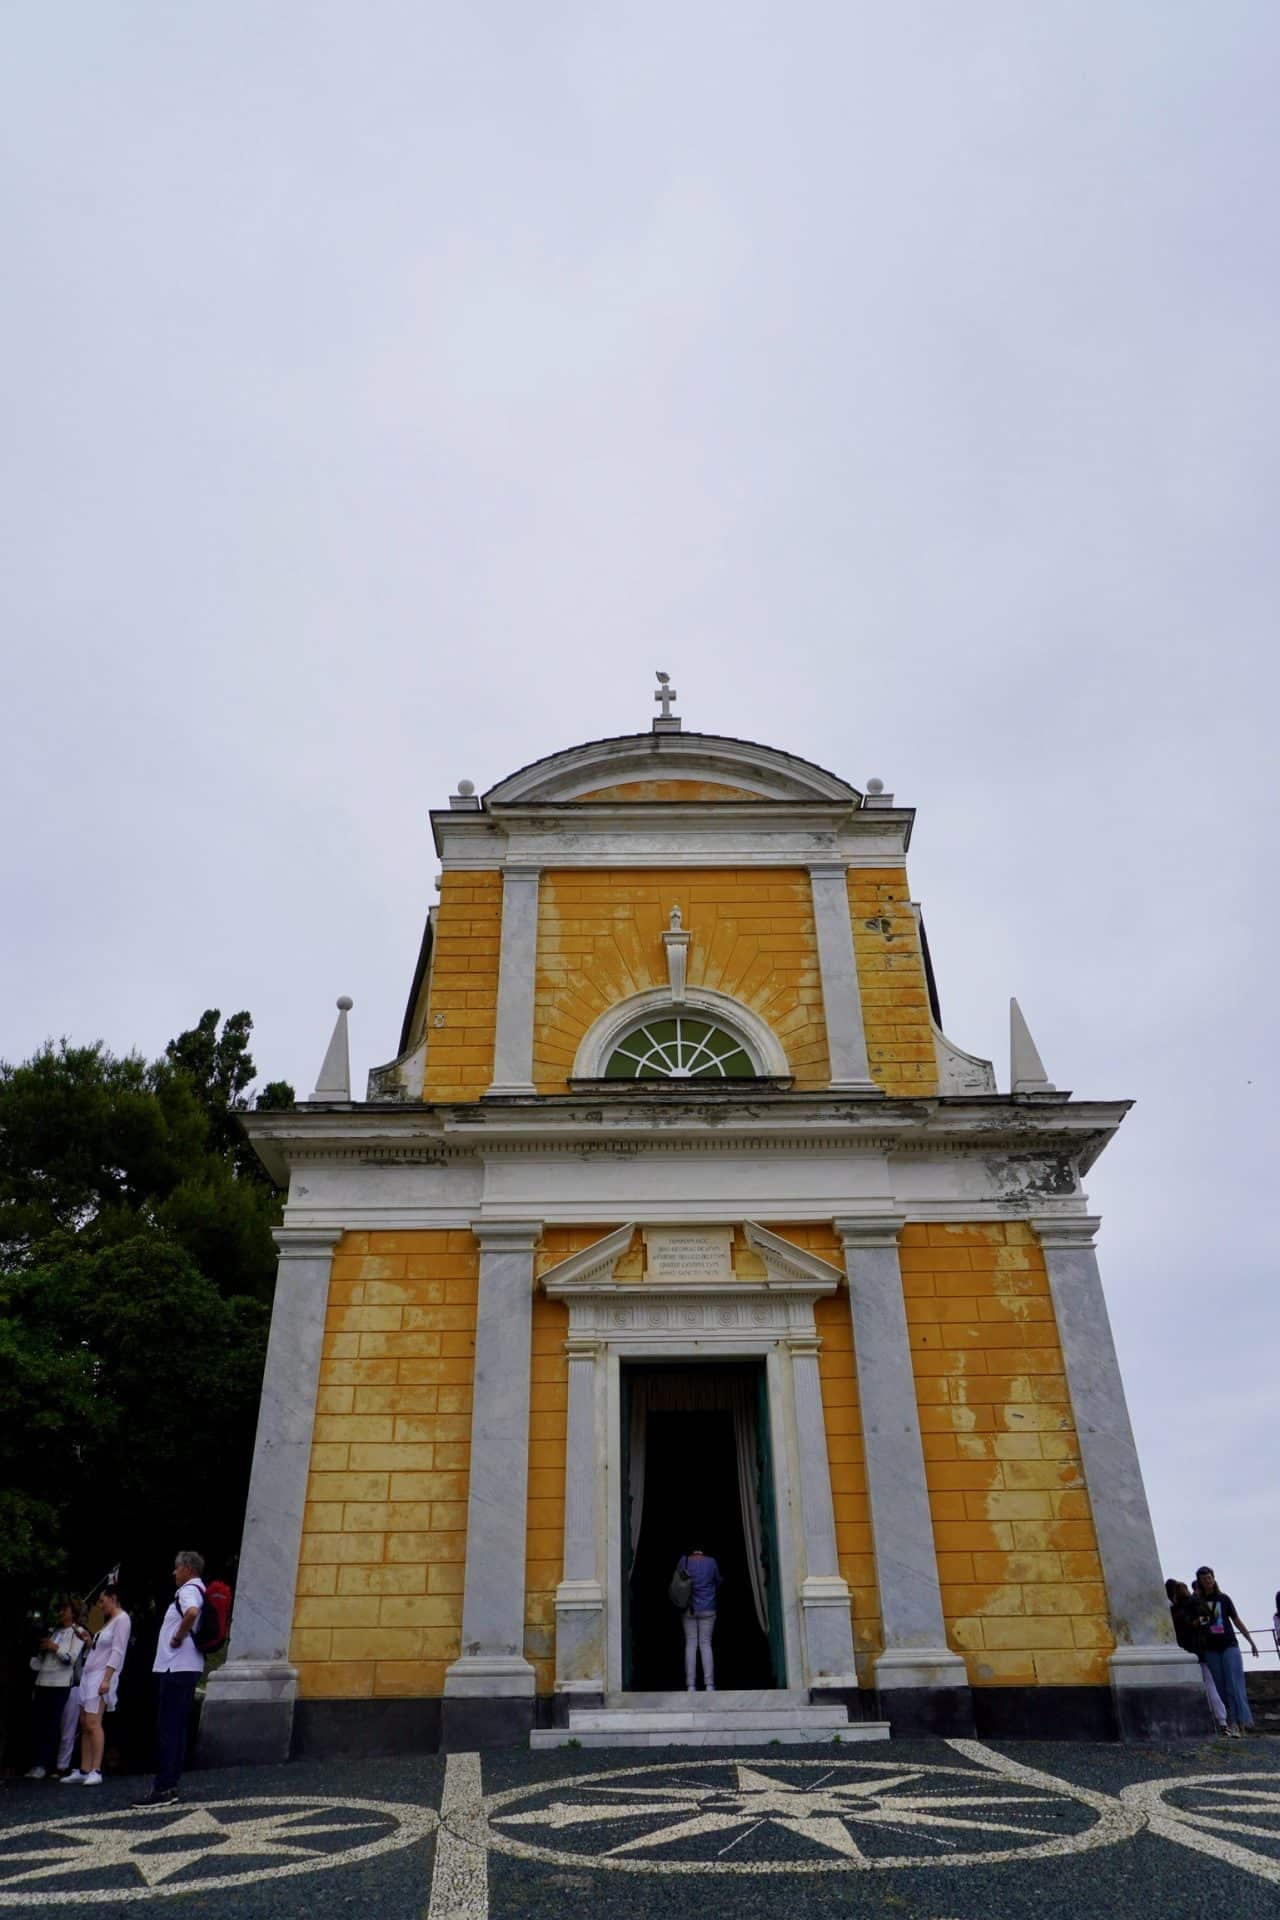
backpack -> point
(211, 1629)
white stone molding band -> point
(580, 1596)
(492, 1663)
(257, 1670)
(1146, 1654)
(841, 998)
(517, 967)
(824, 1593)
(915, 1639)
(753, 1033)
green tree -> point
(136, 1273)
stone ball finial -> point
(345, 1003)
(875, 786)
(466, 786)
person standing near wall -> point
(179, 1664)
(1222, 1650)
(54, 1667)
(99, 1688)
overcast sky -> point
(392, 388)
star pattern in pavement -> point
(827, 1813)
(85, 1859)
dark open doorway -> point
(704, 1432)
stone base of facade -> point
(923, 1713)
(1044, 1713)
(470, 1721)
(360, 1729)
(246, 1719)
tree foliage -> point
(136, 1270)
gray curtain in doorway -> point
(699, 1391)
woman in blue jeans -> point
(700, 1619)
(1222, 1650)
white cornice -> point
(641, 1122)
(730, 833)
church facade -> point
(678, 1222)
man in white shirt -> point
(179, 1664)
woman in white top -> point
(54, 1668)
(99, 1685)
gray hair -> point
(187, 1557)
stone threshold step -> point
(677, 1700)
(622, 1720)
(744, 1738)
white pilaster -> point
(1146, 1655)
(248, 1709)
(517, 964)
(837, 963)
(580, 1616)
(492, 1664)
(824, 1594)
(915, 1654)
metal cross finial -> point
(666, 693)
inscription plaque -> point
(689, 1253)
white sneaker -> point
(72, 1779)
(92, 1780)
(34, 1773)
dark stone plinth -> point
(917, 1713)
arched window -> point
(679, 1047)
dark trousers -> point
(173, 1714)
(47, 1704)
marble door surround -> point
(711, 1316)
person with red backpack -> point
(179, 1662)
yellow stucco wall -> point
(1021, 1580)
(463, 1000)
(891, 979)
(379, 1602)
(600, 940)
(843, 1419)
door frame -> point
(775, 1634)
(725, 1317)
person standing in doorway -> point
(179, 1664)
(700, 1619)
(1222, 1649)
(99, 1687)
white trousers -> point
(698, 1629)
(70, 1722)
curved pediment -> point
(673, 767)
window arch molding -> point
(757, 1039)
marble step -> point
(747, 1733)
(733, 1699)
(649, 1720)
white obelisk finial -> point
(334, 1084)
(1026, 1068)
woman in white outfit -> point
(54, 1668)
(99, 1687)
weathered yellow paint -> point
(600, 941)
(463, 998)
(891, 979)
(843, 1418)
(669, 790)
(379, 1605)
(1022, 1588)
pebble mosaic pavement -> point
(928, 1830)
